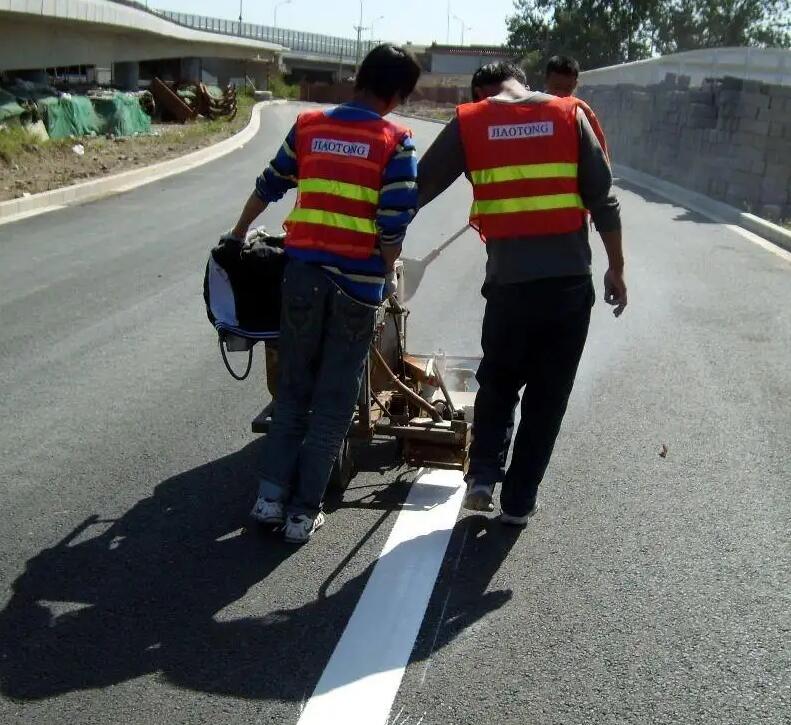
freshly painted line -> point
(361, 679)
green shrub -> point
(14, 140)
(281, 89)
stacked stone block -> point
(729, 139)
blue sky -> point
(420, 21)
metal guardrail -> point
(295, 40)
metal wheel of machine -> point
(343, 470)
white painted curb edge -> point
(707, 206)
(17, 209)
(420, 118)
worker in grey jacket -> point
(536, 167)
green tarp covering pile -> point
(121, 115)
(10, 110)
(28, 91)
(69, 116)
(189, 94)
(215, 92)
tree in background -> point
(600, 33)
(691, 24)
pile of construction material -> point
(47, 113)
(189, 101)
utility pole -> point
(463, 25)
(277, 5)
(240, 16)
(447, 36)
(374, 22)
(359, 28)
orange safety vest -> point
(340, 178)
(594, 122)
(522, 159)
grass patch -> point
(198, 129)
(14, 142)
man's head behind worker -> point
(490, 80)
(387, 76)
(561, 76)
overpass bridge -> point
(119, 35)
(306, 54)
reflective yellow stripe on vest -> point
(524, 171)
(332, 219)
(339, 188)
(527, 203)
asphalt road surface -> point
(649, 589)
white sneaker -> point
(300, 528)
(268, 512)
(518, 520)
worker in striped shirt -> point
(361, 278)
(356, 176)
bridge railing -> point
(295, 40)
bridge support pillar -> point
(126, 75)
(34, 76)
(190, 70)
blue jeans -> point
(324, 340)
(533, 337)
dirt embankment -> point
(30, 168)
(426, 109)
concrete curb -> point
(707, 206)
(16, 209)
(420, 118)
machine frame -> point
(403, 396)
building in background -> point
(463, 60)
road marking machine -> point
(424, 402)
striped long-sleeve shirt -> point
(362, 279)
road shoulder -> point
(17, 209)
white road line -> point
(778, 251)
(685, 201)
(361, 679)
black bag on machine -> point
(242, 288)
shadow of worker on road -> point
(115, 600)
(462, 595)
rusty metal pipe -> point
(443, 388)
(411, 394)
